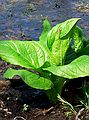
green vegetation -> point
(59, 56)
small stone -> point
(0, 70)
(53, 112)
(87, 117)
(4, 83)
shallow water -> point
(22, 19)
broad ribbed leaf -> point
(46, 28)
(31, 79)
(29, 54)
(77, 68)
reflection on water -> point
(22, 19)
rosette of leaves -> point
(56, 57)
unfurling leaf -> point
(59, 39)
(78, 39)
(46, 28)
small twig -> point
(19, 117)
(44, 112)
(48, 110)
(79, 114)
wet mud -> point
(23, 19)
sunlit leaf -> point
(29, 54)
(77, 68)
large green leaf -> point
(29, 54)
(31, 79)
(77, 68)
(46, 28)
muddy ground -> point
(22, 19)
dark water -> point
(22, 19)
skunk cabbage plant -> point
(57, 57)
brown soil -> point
(12, 103)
